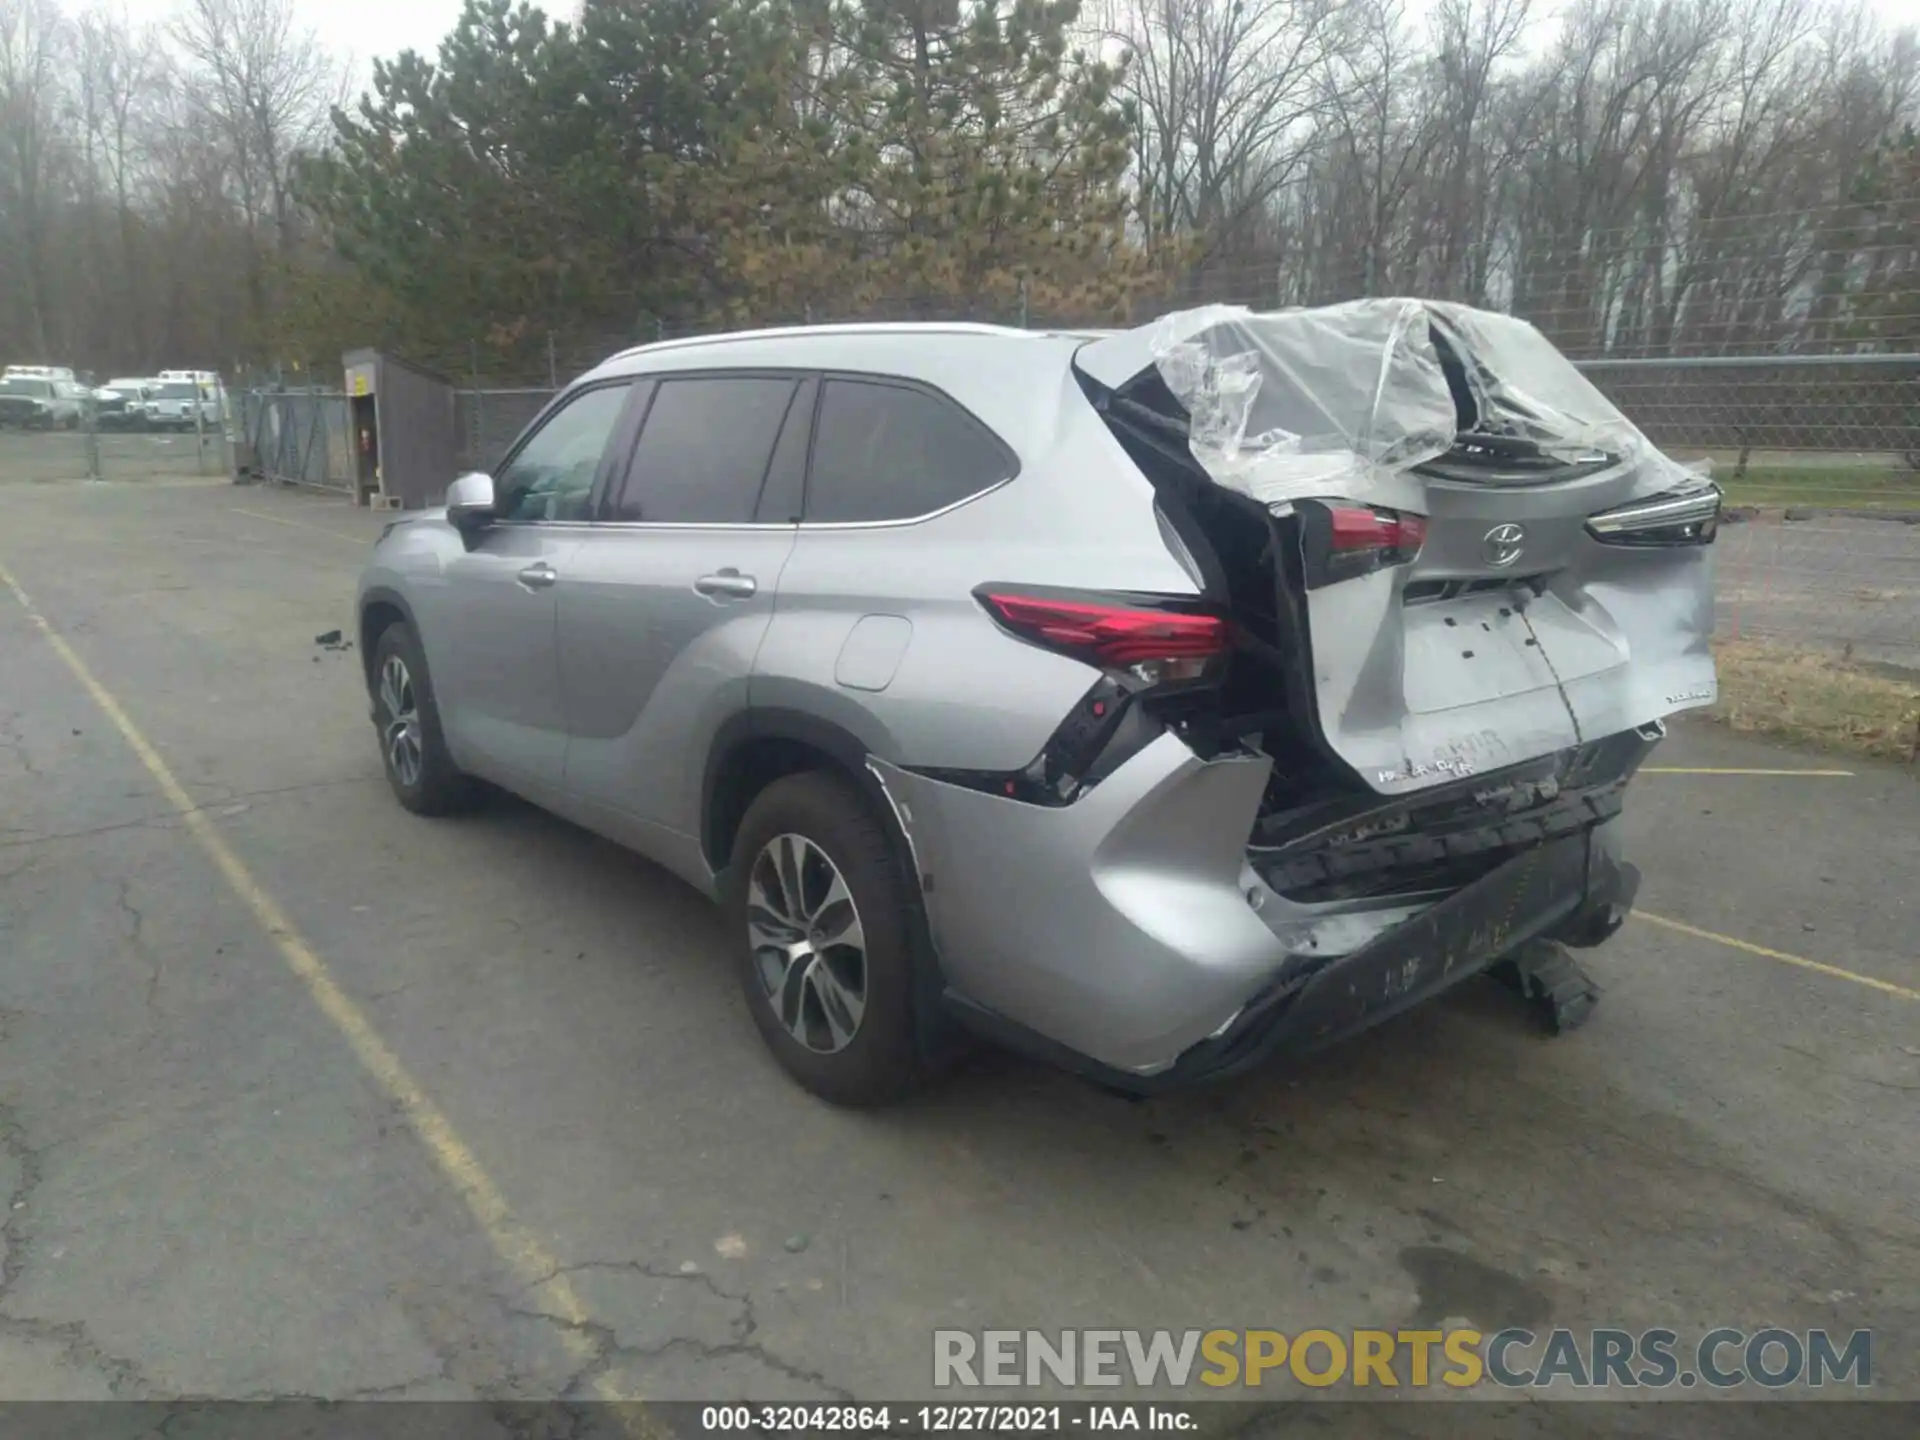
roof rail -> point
(857, 327)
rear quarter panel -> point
(963, 693)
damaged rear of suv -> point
(1154, 701)
(1445, 596)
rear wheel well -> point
(374, 622)
(749, 768)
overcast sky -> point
(362, 29)
(366, 29)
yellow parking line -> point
(1709, 770)
(299, 525)
(1818, 966)
(516, 1246)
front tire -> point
(818, 904)
(413, 749)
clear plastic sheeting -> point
(1343, 399)
(1297, 402)
(1526, 389)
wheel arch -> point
(757, 746)
(380, 608)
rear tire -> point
(818, 906)
(413, 749)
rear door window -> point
(705, 450)
(886, 451)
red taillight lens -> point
(1115, 635)
(1355, 528)
(1341, 540)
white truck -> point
(187, 400)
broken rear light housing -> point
(1156, 639)
(1340, 540)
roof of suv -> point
(1008, 377)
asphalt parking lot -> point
(300, 1094)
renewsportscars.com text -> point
(1654, 1359)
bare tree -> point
(265, 86)
(1348, 223)
(34, 41)
(118, 76)
(1229, 93)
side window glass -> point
(887, 452)
(552, 476)
(704, 450)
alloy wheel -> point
(808, 945)
(400, 733)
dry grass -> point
(1859, 487)
(1818, 700)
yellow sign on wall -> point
(360, 384)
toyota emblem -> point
(1502, 544)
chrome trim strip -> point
(759, 525)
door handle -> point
(728, 582)
(539, 577)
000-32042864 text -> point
(882, 1419)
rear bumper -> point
(1577, 886)
(1127, 938)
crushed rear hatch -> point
(1449, 553)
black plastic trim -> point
(775, 723)
(1449, 831)
(1106, 727)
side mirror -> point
(470, 502)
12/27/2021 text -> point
(945, 1419)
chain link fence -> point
(296, 437)
(83, 436)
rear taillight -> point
(1340, 540)
(1156, 640)
(1683, 518)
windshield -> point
(176, 390)
(39, 389)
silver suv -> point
(1153, 701)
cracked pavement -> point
(208, 1198)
